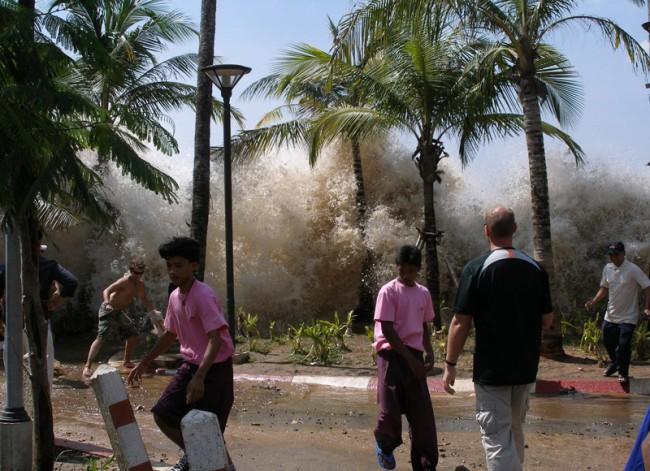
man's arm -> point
(146, 302)
(647, 301)
(459, 329)
(195, 388)
(106, 294)
(163, 344)
(388, 329)
(67, 281)
(600, 295)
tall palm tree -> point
(311, 82)
(116, 44)
(201, 176)
(424, 87)
(542, 79)
(44, 125)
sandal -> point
(384, 460)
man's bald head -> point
(500, 222)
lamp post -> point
(15, 424)
(225, 77)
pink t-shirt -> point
(408, 307)
(191, 316)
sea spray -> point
(298, 251)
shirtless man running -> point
(113, 322)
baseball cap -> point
(616, 247)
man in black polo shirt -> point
(506, 294)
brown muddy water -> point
(281, 427)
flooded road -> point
(287, 428)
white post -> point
(204, 446)
(121, 426)
(15, 424)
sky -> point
(614, 127)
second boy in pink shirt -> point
(401, 337)
(194, 318)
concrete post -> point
(204, 446)
(121, 426)
(15, 424)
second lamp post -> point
(225, 77)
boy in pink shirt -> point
(194, 318)
(403, 310)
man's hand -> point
(428, 362)
(589, 305)
(195, 389)
(136, 374)
(646, 312)
(449, 378)
(55, 301)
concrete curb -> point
(542, 386)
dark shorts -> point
(114, 326)
(217, 398)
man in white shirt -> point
(621, 281)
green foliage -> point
(641, 342)
(272, 336)
(370, 334)
(295, 336)
(439, 343)
(327, 339)
(324, 347)
(99, 465)
(589, 334)
(248, 323)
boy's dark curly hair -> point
(180, 247)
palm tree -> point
(425, 89)
(542, 79)
(44, 124)
(312, 82)
(116, 44)
(201, 178)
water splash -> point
(298, 252)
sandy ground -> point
(280, 427)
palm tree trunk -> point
(36, 327)
(552, 342)
(428, 168)
(201, 178)
(365, 308)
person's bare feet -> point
(87, 372)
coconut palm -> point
(45, 123)
(201, 176)
(425, 88)
(115, 44)
(541, 78)
(311, 82)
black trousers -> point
(400, 392)
(618, 342)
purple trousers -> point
(400, 392)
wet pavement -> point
(285, 428)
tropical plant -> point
(201, 175)
(311, 82)
(422, 86)
(370, 335)
(45, 123)
(295, 336)
(641, 342)
(520, 60)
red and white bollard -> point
(204, 445)
(120, 421)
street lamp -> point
(225, 77)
